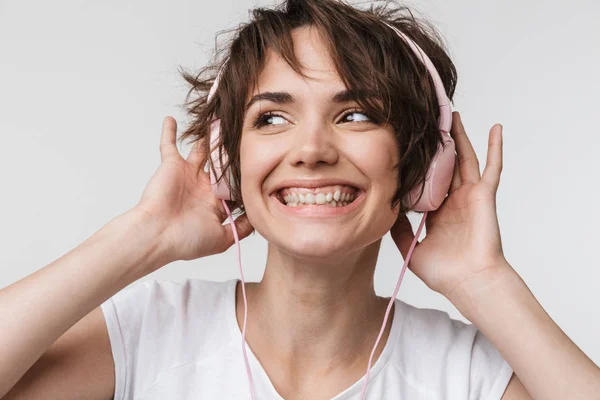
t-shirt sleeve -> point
(452, 358)
(135, 328)
(473, 365)
(489, 372)
(157, 326)
(123, 317)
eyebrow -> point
(342, 96)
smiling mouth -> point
(330, 196)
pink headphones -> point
(437, 184)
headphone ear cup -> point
(221, 189)
(438, 178)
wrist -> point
(146, 237)
(467, 295)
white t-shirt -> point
(181, 340)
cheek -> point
(386, 164)
(257, 159)
(376, 155)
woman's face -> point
(313, 148)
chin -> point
(307, 244)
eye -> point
(272, 118)
(359, 119)
(268, 118)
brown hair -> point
(369, 57)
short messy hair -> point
(369, 57)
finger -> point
(456, 181)
(167, 139)
(403, 235)
(197, 154)
(493, 166)
(243, 227)
(220, 211)
(467, 159)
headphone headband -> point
(443, 100)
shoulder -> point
(171, 291)
(450, 356)
(153, 307)
(169, 299)
(432, 326)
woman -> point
(314, 317)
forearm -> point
(548, 363)
(36, 310)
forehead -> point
(312, 53)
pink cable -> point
(387, 312)
(237, 242)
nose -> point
(314, 145)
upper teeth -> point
(335, 199)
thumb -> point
(168, 147)
(403, 235)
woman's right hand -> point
(183, 205)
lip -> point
(319, 211)
(314, 183)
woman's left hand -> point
(463, 237)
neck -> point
(308, 317)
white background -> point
(84, 87)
